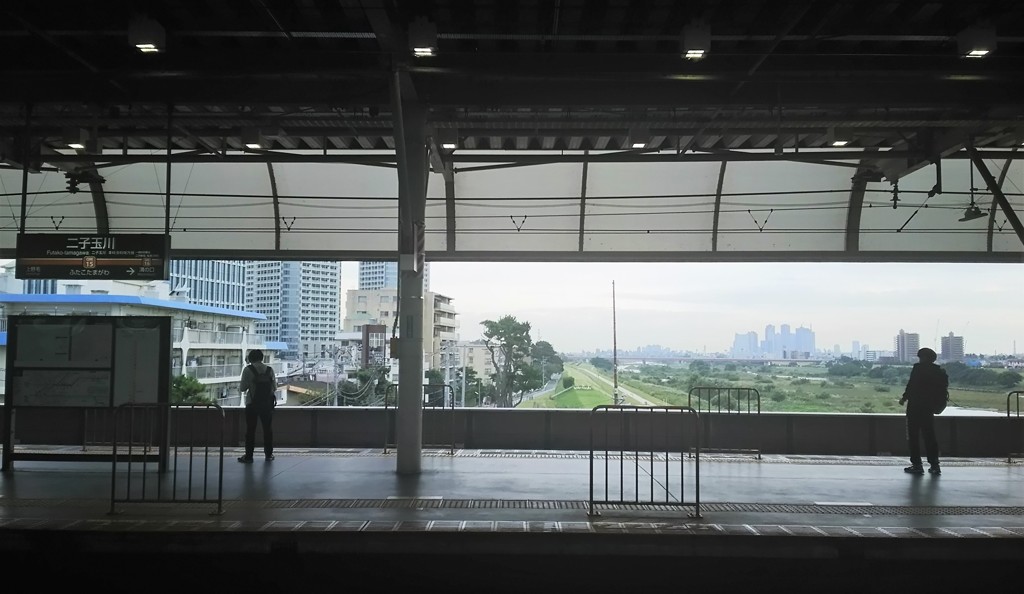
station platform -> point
(521, 521)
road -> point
(626, 392)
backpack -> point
(262, 391)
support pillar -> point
(410, 147)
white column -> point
(410, 140)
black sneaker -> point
(914, 469)
(934, 470)
(270, 457)
(245, 459)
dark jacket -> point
(928, 382)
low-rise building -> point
(208, 343)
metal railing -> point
(435, 396)
(1015, 433)
(646, 441)
(196, 447)
(728, 400)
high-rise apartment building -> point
(745, 345)
(301, 302)
(217, 283)
(905, 346)
(383, 274)
(803, 343)
(786, 344)
(952, 348)
(768, 346)
(38, 286)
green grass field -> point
(798, 389)
(587, 394)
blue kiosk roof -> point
(127, 300)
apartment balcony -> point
(217, 339)
(210, 374)
(445, 307)
(215, 374)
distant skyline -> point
(701, 306)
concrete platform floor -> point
(519, 521)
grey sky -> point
(700, 306)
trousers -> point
(922, 426)
(264, 415)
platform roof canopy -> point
(561, 130)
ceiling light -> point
(146, 35)
(835, 140)
(977, 41)
(696, 40)
(76, 138)
(252, 138)
(639, 138)
(447, 138)
(423, 38)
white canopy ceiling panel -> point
(337, 206)
(650, 206)
(779, 207)
(534, 208)
(49, 206)
(213, 206)
(1004, 239)
(436, 214)
(927, 223)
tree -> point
(1008, 379)
(509, 344)
(470, 385)
(350, 394)
(434, 395)
(186, 389)
(378, 376)
(434, 376)
(544, 355)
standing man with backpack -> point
(924, 395)
(259, 384)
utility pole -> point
(446, 360)
(615, 355)
(337, 350)
(463, 355)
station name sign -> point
(84, 256)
